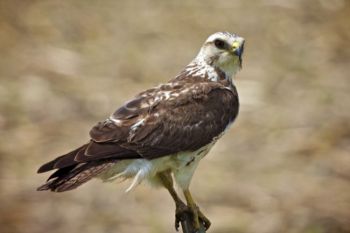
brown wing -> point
(178, 116)
(173, 118)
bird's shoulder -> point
(171, 94)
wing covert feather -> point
(165, 121)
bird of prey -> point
(162, 133)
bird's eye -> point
(220, 44)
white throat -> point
(230, 67)
(202, 68)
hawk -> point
(162, 133)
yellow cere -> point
(235, 45)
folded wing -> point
(175, 117)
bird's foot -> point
(206, 222)
(180, 214)
(199, 220)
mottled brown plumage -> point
(180, 123)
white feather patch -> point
(137, 124)
(182, 165)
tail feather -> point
(82, 164)
(69, 178)
(61, 161)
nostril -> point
(235, 45)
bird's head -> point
(224, 51)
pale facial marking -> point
(219, 51)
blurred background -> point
(284, 166)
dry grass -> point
(283, 167)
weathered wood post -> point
(187, 224)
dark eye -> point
(220, 44)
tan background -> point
(283, 167)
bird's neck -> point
(206, 70)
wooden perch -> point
(187, 224)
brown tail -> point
(69, 178)
(82, 164)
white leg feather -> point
(136, 181)
(122, 175)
